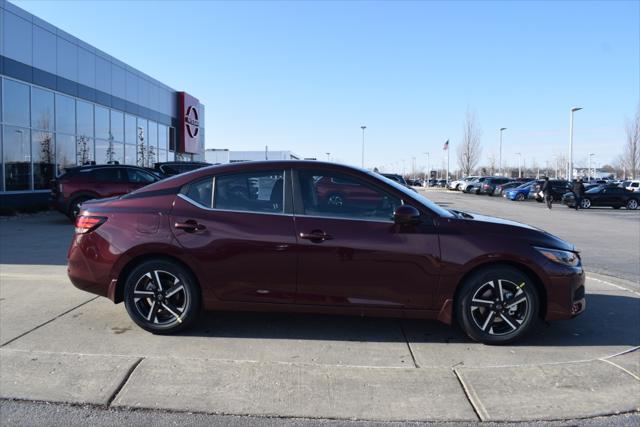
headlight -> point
(568, 258)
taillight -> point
(85, 224)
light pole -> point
(594, 172)
(519, 164)
(500, 155)
(413, 167)
(363, 128)
(428, 177)
(573, 110)
(328, 156)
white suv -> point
(633, 185)
(458, 184)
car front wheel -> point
(632, 204)
(585, 203)
(497, 305)
(162, 297)
(520, 197)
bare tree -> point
(631, 152)
(492, 162)
(470, 148)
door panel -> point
(242, 255)
(367, 263)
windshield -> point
(415, 196)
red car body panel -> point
(253, 261)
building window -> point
(65, 152)
(117, 126)
(41, 109)
(16, 103)
(65, 114)
(130, 154)
(84, 150)
(16, 156)
(43, 153)
(152, 144)
(130, 132)
(84, 115)
(163, 137)
(102, 122)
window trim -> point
(286, 194)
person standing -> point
(578, 192)
(547, 191)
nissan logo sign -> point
(192, 122)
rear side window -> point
(140, 177)
(260, 191)
(200, 192)
(108, 175)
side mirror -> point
(405, 215)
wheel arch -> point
(118, 293)
(537, 282)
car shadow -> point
(610, 320)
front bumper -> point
(566, 295)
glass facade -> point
(65, 103)
(44, 132)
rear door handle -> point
(316, 236)
(189, 226)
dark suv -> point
(489, 185)
(83, 183)
(167, 169)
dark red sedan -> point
(264, 236)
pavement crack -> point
(621, 368)
(124, 381)
(472, 398)
(47, 322)
(404, 334)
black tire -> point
(632, 204)
(615, 207)
(164, 311)
(74, 207)
(520, 197)
(487, 318)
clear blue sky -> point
(303, 76)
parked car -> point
(604, 195)
(500, 189)
(442, 183)
(79, 184)
(489, 184)
(474, 185)
(167, 169)
(397, 178)
(633, 185)
(522, 192)
(457, 184)
(197, 241)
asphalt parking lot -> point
(58, 344)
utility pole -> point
(363, 128)
(519, 164)
(500, 155)
(570, 171)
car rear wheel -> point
(162, 297)
(585, 203)
(497, 305)
(520, 197)
(632, 204)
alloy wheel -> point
(499, 307)
(160, 298)
(336, 200)
(632, 204)
(585, 203)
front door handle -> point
(189, 226)
(316, 236)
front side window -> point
(342, 196)
(260, 191)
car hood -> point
(533, 235)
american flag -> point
(446, 145)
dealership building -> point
(64, 103)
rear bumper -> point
(90, 264)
